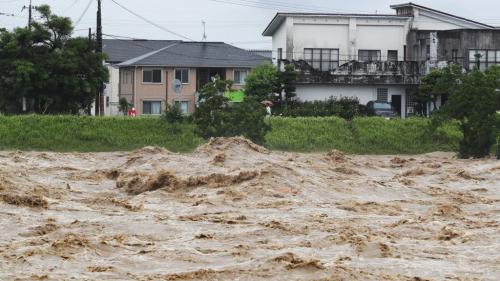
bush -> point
(173, 114)
(345, 107)
(217, 117)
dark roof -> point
(118, 50)
(197, 54)
(410, 4)
(279, 18)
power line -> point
(84, 12)
(151, 22)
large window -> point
(182, 75)
(239, 76)
(183, 106)
(322, 59)
(150, 75)
(486, 58)
(151, 107)
(369, 55)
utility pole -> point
(99, 110)
(30, 13)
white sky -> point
(238, 24)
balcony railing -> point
(356, 72)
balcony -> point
(363, 73)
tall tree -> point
(475, 102)
(45, 70)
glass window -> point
(239, 76)
(382, 105)
(182, 75)
(151, 75)
(491, 56)
(183, 106)
(383, 94)
(392, 55)
(322, 59)
(369, 55)
(151, 107)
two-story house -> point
(148, 70)
(373, 56)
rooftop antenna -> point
(204, 38)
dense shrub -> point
(173, 114)
(344, 107)
(474, 103)
(217, 117)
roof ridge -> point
(141, 57)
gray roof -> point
(118, 50)
(268, 54)
(196, 54)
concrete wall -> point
(348, 34)
(363, 93)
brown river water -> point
(236, 211)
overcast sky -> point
(239, 22)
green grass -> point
(361, 136)
(88, 134)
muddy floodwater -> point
(232, 210)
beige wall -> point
(188, 92)
(230, 76)
(163, 91)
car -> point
(382, 109)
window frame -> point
(152, 69)
(370, 50)
(394, 52)
(182, 76)
(179, 102)
(321, 51)
(383, 91)
(486, 61)
(240, 70)
(151, 101)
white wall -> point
(428, 20)
(112, 91)
(279, 41)
(348, 34)
(312, 92)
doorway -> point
(396, 103)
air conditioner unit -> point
(411, 110)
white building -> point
(360, 55)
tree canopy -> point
(45, 68)
(474, 101)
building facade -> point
(372, 56)
(176, 73)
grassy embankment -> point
(361, 136)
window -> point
(454, 55)
(183, 105)
(182, 75)
(383, 94)
(126, 77)
(322, 59)
(392, 55)
(151, 75)
(151, 107)
(369, 55)
(485, 58)
(239, 76)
